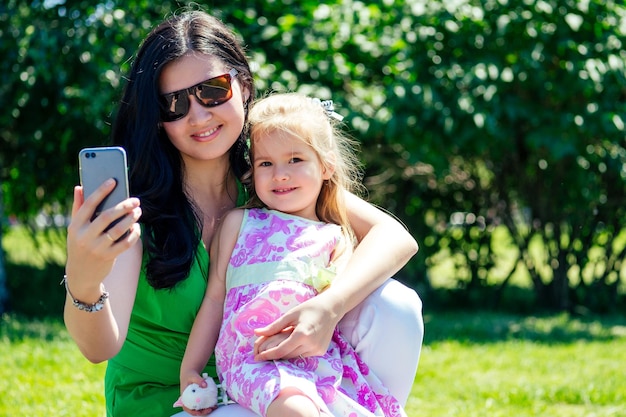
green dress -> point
(143, 378)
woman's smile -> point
(207, 134)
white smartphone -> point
(96, 165)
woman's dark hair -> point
(170, 222)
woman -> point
(182, 121)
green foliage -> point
(35, 292)
(60, 79)
(472, 115)
(504, 113)
(35, 267)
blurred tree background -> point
(494, 129)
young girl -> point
(272, 256)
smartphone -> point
(96, 165)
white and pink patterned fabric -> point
(277, 262)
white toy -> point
(196, 398)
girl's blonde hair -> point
(304, 118)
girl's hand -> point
(204, 412)
(309, 328)
(264, 343)
(192, 377)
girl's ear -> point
(328, 172)
(328, 167)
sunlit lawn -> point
(472, 365)
(497, 365)
(43, 374)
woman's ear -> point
(246, 101)
(245, 92)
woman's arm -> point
(384, 248)
(96, 263)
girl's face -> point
(288, 174)
(204, 133)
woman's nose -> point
(198, 113)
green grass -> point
(472, 364)
(42, 373)
(499, 365)
(521, 379)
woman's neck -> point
(212, 187)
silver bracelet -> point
(89, 308)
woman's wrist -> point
(334, 301)
(84, 299)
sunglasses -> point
(209, 93)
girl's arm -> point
(96, 264)
(385, 246)
(206, 327)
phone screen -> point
(96, 165)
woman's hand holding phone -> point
(93, 233)
(115, 223)
(95, 241)
(100, 164)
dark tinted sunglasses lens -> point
(174, 106)
(215, 91)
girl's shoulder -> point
(233, 219)
(228, 229)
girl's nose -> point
(280, 173)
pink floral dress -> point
(277, 263)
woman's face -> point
(204, 133)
